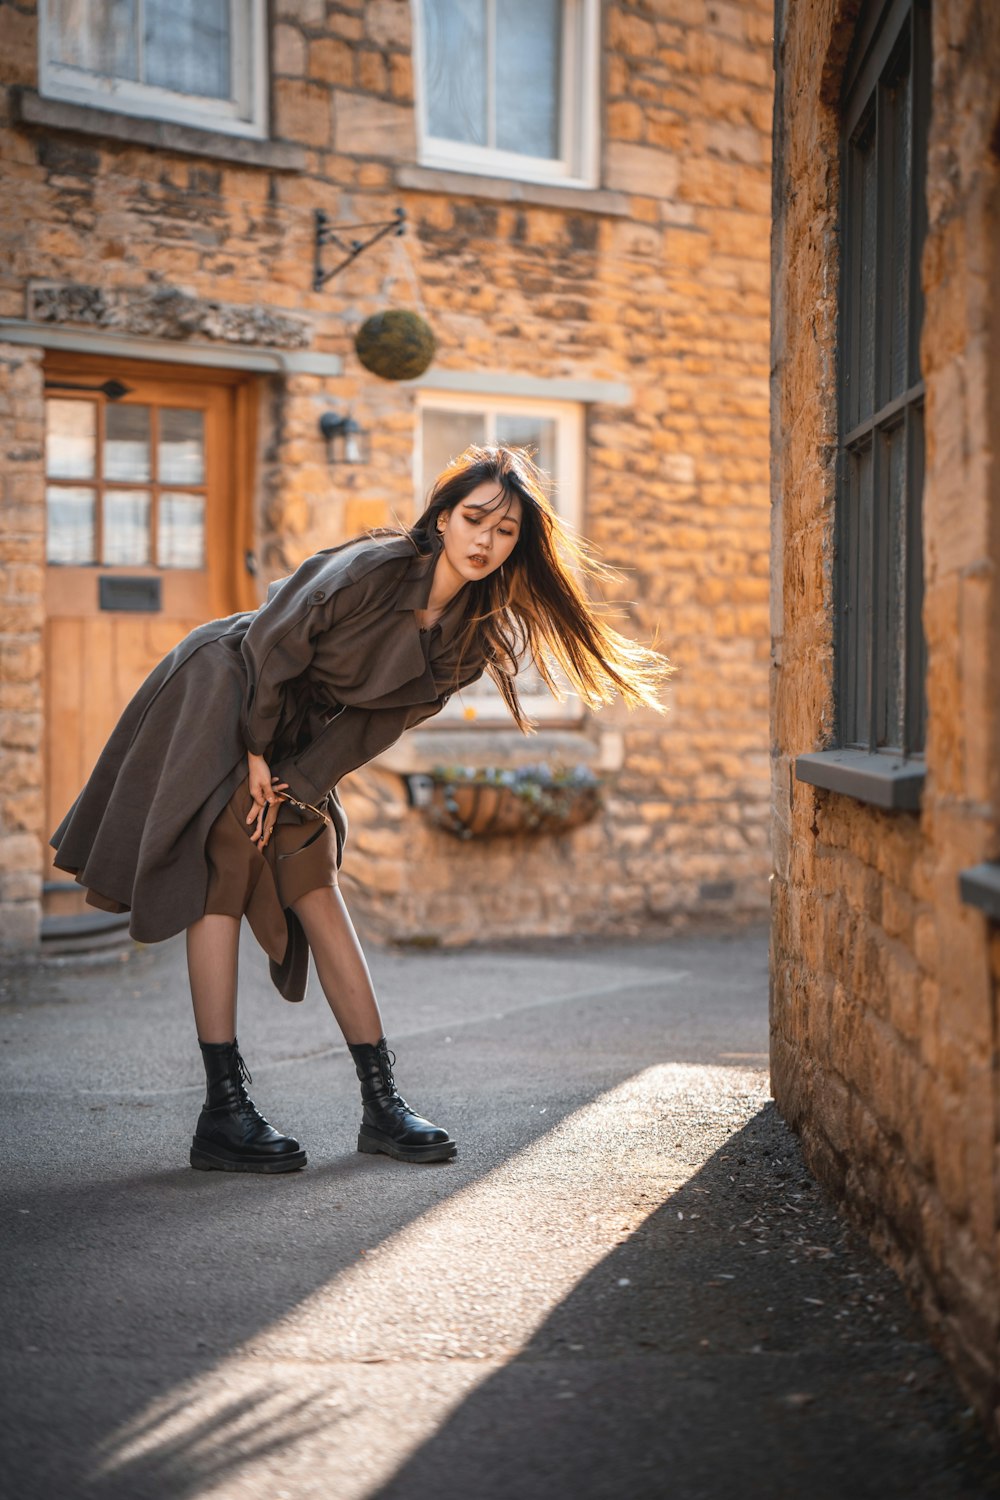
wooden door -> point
(148, 535)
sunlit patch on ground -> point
(332, 1399)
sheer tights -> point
(213, 958)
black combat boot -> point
(388, 1123)
(232, 1135)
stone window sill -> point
(980, 886)
(508, 190)
(880, 778)
(29, 108)
(419, 753)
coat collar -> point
(415, 590)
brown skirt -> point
(261, 885)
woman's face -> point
(480, 534)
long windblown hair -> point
(535, 606)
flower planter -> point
(491, 803)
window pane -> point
(896, 101)
(862, 372)
(891, 646)
(446, 434)
(126, 442)
(855, 709)
(70, 524)
(126, 528)
(98, 36)
(180, 534)
(528, 50)
(70, 439)
(455, 56)
(186, 46)
(538, 434)
(182, 446)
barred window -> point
(880, 654)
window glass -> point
(186, 46)
(98, 36)
(70, 512)
(126, 442)
(527, 76)
(182, 446)
(446, 434)
(456, 55)
(537, 434)
(126, 528)
(70, 439)
(180, 538)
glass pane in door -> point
(180, 535)
(70, 512)
(70, 438)
(126, 528)
(126, 442)
(181, 456)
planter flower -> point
(491, 801)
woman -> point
(216, 795)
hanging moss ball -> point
(397, 345)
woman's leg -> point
(388, 1123)
(231, 1135)
(212, 953)
(340, 964)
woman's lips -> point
(477, 561)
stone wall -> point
(22, 616)
(884, 996)
(658, 282)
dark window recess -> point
(880, 655)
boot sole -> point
(373, 1144)
(205, 1161)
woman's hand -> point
(263, 789)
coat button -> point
(318, 596)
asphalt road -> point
(626, 1285)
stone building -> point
(586, 192)
(886, 635)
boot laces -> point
(243, 1076)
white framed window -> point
(196, 62)
(509, 88)
(446, 424)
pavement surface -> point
(626, 1285)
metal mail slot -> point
(140, 595)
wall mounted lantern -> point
(346, 443)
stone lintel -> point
(261, 358)
(29, 108)
(532, 387)
(882, 778)
(980, 886)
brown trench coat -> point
(326, 674)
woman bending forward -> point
(216, 795)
